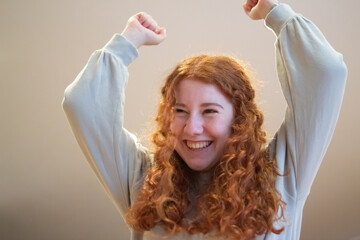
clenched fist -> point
(258, 9)
(142, 29)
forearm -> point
(94, 96)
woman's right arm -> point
(94, 105)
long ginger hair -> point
(241, 200)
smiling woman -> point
(214, 128)
(201, 124)
(211, 173)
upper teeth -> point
(197, 145)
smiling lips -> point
(197, 145)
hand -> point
(142, 29)
(258, 9)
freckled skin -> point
(203, 116)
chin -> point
(200, 168)
(197, 168)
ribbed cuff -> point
(278, 17)
(122, 48)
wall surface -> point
(47, 189)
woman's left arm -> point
(312, 76)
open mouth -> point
(197, 145)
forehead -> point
(188, 90)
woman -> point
(211, 174)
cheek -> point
(176, 126)
(221, 129)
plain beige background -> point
(47, 189)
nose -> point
(194, 125)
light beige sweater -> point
(312, 76)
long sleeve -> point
(94, 105)
(312, 76)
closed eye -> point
(179, 110)
(209, 111)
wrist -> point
(270, 6)
(274, 5)
(133, 38)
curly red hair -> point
(241, 201)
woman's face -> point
(202, 123)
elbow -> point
(343, 70)
(65, 102)
(340, 73)
(334, 71)
(68, 103)
(76, 103)
(340, 69)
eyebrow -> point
(202, 105)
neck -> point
(200, 181)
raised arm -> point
(94, 105)
(312, 76)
